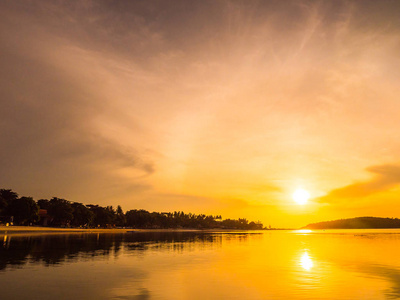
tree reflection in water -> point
(18, 250)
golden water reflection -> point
(303, 231)
(306, 262)
(195, 265)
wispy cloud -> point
(385, 177)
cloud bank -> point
(385, 177)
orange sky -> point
(221, 107)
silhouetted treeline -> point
(357, 223)
(63, 213)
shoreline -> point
(38, 229)
(50, 230)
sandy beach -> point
(37, 229)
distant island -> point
(357, 223)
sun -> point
(301, 196)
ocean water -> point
(331, 264)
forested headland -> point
(357, 223)
(58, 212)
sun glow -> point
(301, 196)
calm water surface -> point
(346, 264)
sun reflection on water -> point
(306, 262)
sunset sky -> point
(217, 107)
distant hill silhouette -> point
(357, 223)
